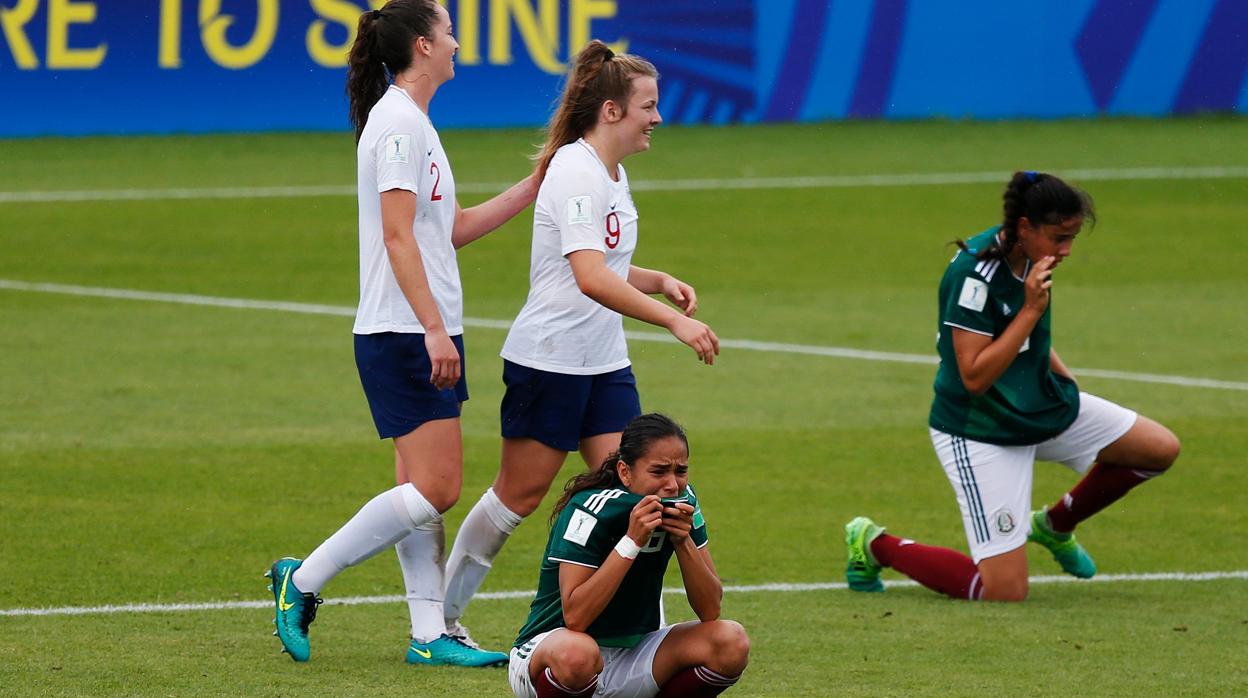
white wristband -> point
(627, 548)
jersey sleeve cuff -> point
(968, 329)
(383, 187)
(552, 558)
(578, 246)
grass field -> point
(166, 453)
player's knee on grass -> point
(730, 647)
(1004, 577)
(1005, 589)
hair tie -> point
(1031, 176)
(610, 53)
(377, 14)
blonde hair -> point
(598, 75)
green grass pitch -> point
(160, 453)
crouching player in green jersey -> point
(1005, 400)
(593, 628)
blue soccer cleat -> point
(451, 651)
(295, 610)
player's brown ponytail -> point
(382, 49)
(598, 75)
(634, 443)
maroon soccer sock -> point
(939, 569)
(547, 687)
(696, 682)
(1102, 486)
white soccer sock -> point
(485, 530)
(421, 556)
(378, 525)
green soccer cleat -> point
(1066, 550)
(450, 651)
(295, 610)
(862, 572)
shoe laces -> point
(460, 634)
(310, 604)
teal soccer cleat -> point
(862, 572)
(1066, 550)
(450, 651)
(295, 610)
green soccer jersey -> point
(585, 534)
(1028, 403)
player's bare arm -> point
(475, 222)
(606, 288)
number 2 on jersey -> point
(613, 230)
(433, 170)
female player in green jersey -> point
(593, 628)
(1004, 399)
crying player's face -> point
(663, 470)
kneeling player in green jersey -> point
(1005, 400)
(593, 628)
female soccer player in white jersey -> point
(569, 382)
(594, 628)
(1003, 400)
(408, 327)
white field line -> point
(496, 595)
(485, 323)
(709, 184)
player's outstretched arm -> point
(597, 281)
(474, 223)
(651, 281)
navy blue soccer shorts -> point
(559, 409)
(394, 371)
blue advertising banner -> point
(73, 67)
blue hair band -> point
(1031, 176)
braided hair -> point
(1041, 198)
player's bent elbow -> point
(975, 386)
(588, 286)
(393, 239)
(574, 621)
(708, 612)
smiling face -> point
(662, 470)
(1038, 241)
(631, 128)
(439, 47)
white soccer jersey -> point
(579, 207)
(399, 149)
